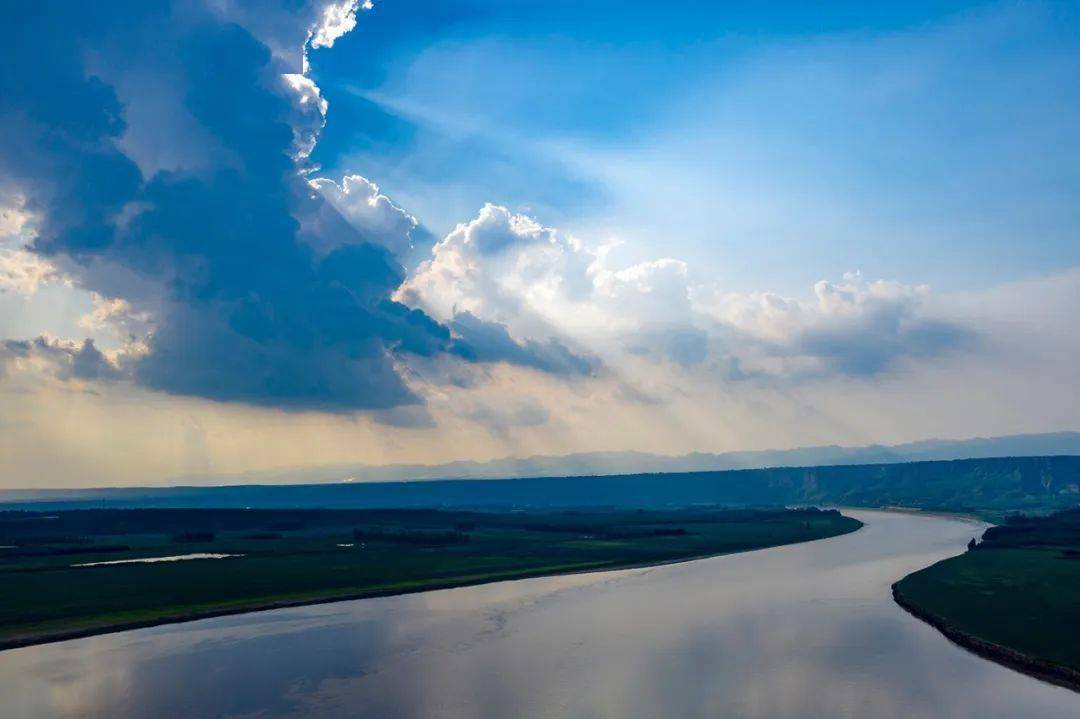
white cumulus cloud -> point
(509, 268)
(855, 327)
(337, 19)
(23, 272)
(541, 282)
(310, 112)
(370, 212)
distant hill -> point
(598, 463)
(987, 486)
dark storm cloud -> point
(65, 360)
(491, 342)
(872, 346)
(87, 362)
(245, 309)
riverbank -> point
(32, 639)
(1026, 664)
(302, 557)
(1014, 598)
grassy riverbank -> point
(1014, 599)
(289, 557)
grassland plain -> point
(292, 557)
(1014, 599)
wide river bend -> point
(806, 631)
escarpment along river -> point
(805, 631)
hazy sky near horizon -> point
(240, 235)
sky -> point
(239, 235)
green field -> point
(298, 556)
(1020, 589)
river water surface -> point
(807, 631)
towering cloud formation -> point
(508, 268)
(161, 149)
(259, 291)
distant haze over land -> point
(987, 486)
(1035, 473)
(603, 463)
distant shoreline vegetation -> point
(55, 583)
(990, 488)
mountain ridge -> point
(633, 462)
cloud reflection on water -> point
(805, 631)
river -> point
(806, 631)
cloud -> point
(508, 268)
(309, 116)
(853, 327)
(535, 280)
(291, 28)
(118, 315)
(87, 362)
(247, 285)
(14, 217)
(337, 19)
(499, 266)
(12, 351)
(247, 312)
(225, 268)
(538, 281)
(62, 358)
(406, 417)
(491, 342)
(372, 214)
(686, 346)
(23, 272)
(499, 419)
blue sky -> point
(930, 141)
(246, 235)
